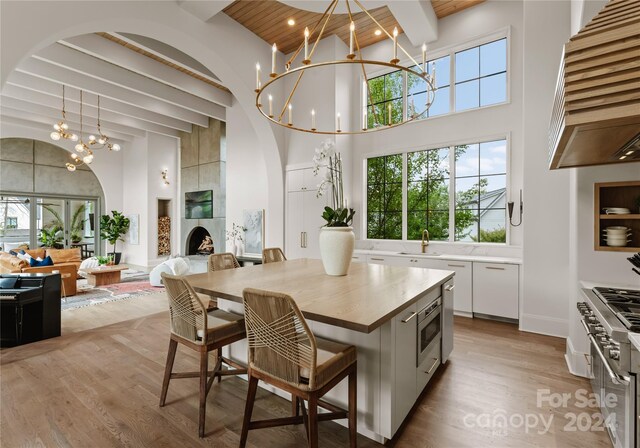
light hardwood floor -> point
(99, 387)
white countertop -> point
(478, 258)
(589, 284)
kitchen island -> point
(399, 318)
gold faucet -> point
(425, 234)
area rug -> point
(134, 284)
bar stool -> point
(272, 255)
(284, 353)
(203, 332)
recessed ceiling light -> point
(291, 22)
(377, 32)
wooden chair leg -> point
(295, 409)
(204, 361)
(248, 409)
(313, 421)
(219, 360)
(171, 356)
(353, 407)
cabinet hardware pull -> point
(414, 314)
(494, 268)
(377, 259)
(305, 240)
(449, 287)
(456, 265)
(432, 366)
(301, 240)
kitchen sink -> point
(420, 254)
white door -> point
(294, 230)
(463, 296)
(406, 341)
(312, 222)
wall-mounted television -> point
(198, 204)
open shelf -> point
(621, 195)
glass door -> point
(15, 227)
(82, 226)
(50, 223)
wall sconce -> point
(164, 176)
(510, 209)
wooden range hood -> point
(596, 110)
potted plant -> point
(337, 239)
(112, 228)
(51, 238)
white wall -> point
(136, 198)
(546, 222)
(246, 172)
(163, 153)
(470, 126)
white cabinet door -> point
(358, 258)
(406, 329)
(495, 289)
(294, 231)
(463, 297)
(295, 180)
(312, 222)
(388, 260)
(448, 296)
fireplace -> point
(195, 239)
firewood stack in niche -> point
(164, 235)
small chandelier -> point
(80, 148)
(62, 127)
(353, 57)
(102, 140)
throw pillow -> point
(36, 264)
(24, 256)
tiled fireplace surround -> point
(203, 156)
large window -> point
(385, 95)
(479, 76)
(476, 173)
(384, 197)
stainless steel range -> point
(608, 316)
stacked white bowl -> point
(617, 236)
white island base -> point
(389, 379)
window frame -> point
(452, 176)
(451, 50)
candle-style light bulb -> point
(270, 106)
(352, 29)
(306, 44)
(313, 119)
(364, 119)
(433, 73)
(424, 58)
(290, 115)
(389, 120)
(338, 122)
(274, 50)
(395, 43)
(257, 76)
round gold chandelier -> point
(284, 116)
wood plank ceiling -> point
(268, 20)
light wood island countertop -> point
(363, 300)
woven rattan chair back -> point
(280, 341)
(220, 262)
(272, 255)
(187, 312)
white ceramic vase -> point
(239, 248)
(336, 249)
(233, 248)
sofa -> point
(66, 261)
